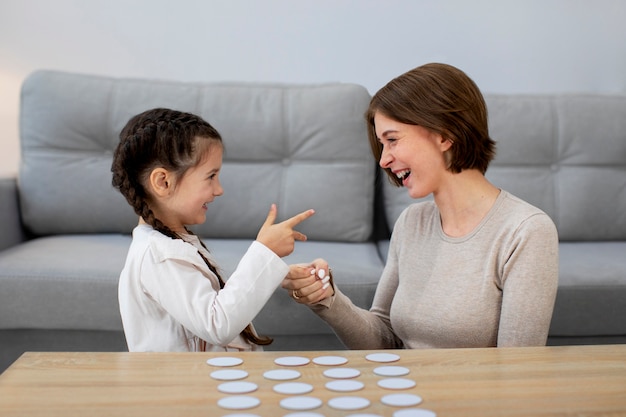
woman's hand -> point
(309, 283)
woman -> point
(475, 267)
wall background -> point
(507, 46)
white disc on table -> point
(297, 388)
(342, 373)
(330, 360)
(237, 387)
(229, 374)
(238, 402)
(224, 361)
(391, 370)
(281, 374)
(344, 385)
(300, 403)
(291, 361)
(415, 412)
(396, 383)
(348, 403)
(401, 400)
(382, 357)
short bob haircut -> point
(444, 100)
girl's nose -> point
(218, 190)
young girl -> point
(171, 295)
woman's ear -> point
(160, 182)
(445, 143)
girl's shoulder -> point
(164, 247)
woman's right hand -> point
(280, 237)
(309, 283)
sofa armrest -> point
(10, 219)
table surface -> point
(542, 381)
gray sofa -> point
(65, 230)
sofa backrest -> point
(565, 154)
(300, 146)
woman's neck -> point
(464, 201)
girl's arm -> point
(181, 286)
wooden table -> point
(545, 381)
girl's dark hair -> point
(176, 141)
(444, 100)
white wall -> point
(507, 46)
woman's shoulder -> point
(517, 206)
(422, 209)
(515, 209)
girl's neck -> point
(464, 201)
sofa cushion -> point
(299, 146)
(70, 282)
(62, 282)
(592, 290)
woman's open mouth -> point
(403, 175)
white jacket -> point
(169, 298)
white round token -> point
(348, 403)
(382, 357)
(391, 370)
(300, 403)
(237, 387)
(281, 374)
(291, 361)
(292, 388)
(229, 374)
(415, 412)
(238, 402)
(401, 400)
(330, 360)
(224, 361)
(342, 373)
(396, 383)
(342, 385)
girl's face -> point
(187, 203)
(412, 153)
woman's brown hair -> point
(444, 100)
(177, 142)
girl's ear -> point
(160, 182)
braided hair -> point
(172, 140)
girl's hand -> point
(309, 283)
(280, 238)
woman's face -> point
(412, 153)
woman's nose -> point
(385, 158)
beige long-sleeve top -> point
(169, 298)
(495, 286)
